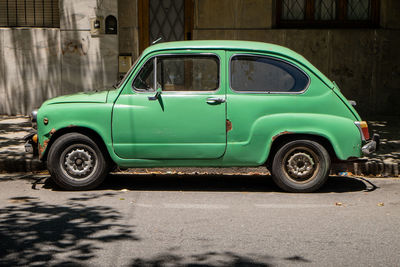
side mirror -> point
(157, 95)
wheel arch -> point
(285, 138)
(82, 130)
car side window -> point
(144, 81)
(264, 74)
(188, 72)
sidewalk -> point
(385, 163)
(387, 159)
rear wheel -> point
(301, 166)
(75, 162)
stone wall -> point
(233, 14)
(37, 64)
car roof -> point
(238, 45)
(220, 44)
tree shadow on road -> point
(37, 233)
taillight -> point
(363, 127)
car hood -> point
(84, 97)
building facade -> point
(55, 47)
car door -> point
(173, 108)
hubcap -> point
(79, 162)
(301, 164)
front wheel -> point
(75, 162)
(301, 166)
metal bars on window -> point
(358, 9)
(328, 13)
(325, 10)
(293, 9)
(166, 20)
(29, 13)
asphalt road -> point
(199, 220)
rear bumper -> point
(371, 146)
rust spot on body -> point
(228, 125)
(279, 134)
(43, 148)
(45, 142)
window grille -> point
(325, 10)
(29, 13)
(293, 9)
(330, 13)
(167, 20)
(358, 9)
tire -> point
(301, 166)
(75, 162)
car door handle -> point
(215, 100)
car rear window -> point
(251, 73)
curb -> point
(374, 167)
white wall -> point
(88, 62)
(30, 69)
(37, 64)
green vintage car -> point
(205, 103)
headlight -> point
(34, 116)
(34, 119)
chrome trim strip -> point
(358, 124)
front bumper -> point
(31, 145)
(371, 146)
